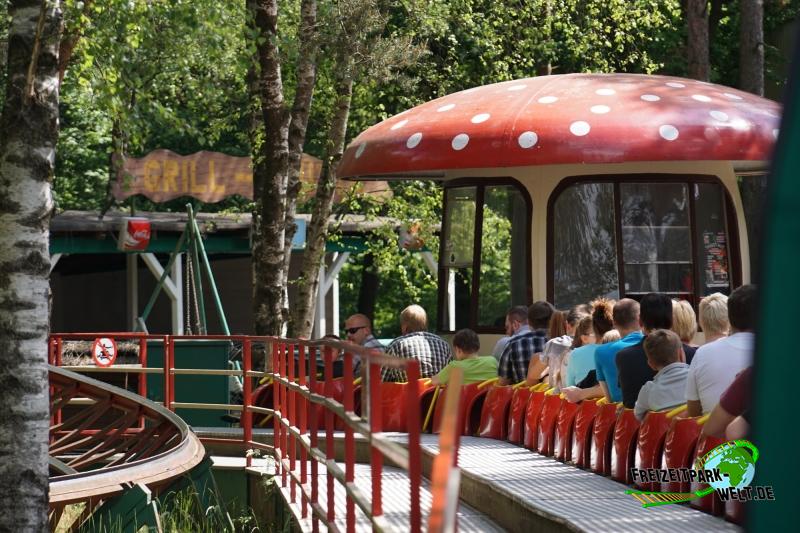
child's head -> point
(663, 347)
(466, 343)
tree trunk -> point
(306, 75)
(269, 176)
(751, 47)
(697, 46)
(28, 134)
(308, 283)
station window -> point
(484, 272)
(627, 238)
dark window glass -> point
(584, 242)
(503, 280)
(711, 236)
(656, 238)
(753, 190)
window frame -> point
(480, 184)
(731, 224)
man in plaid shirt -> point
(516, 357)
(432, 351)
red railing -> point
(297, 425)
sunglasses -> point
(353, 330)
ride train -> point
(569, 187)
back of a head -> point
(584, 327)
(467, 341)
(684, 321)
(518, 313)
(602, 319)
(558, 325)
(714, 314)
(414, 319)
(611, 335)
(539, 314)
(742, 308)
(655, 311)
(626, 314)
(661, 347)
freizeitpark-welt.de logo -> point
(728, 469)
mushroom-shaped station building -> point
(571, 187)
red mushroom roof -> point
(571, 118)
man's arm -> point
(642, 404)
(604, 387)
(717, 421)
(535, 369)
(575, 395)
(694, 407)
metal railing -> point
(305, 411)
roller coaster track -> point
(104, 440)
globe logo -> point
(735, 461)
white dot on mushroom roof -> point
(733, 96)
(547, 99)
(414, 140)
(360, 149)
(460, 141)
(650, 98)
(719, 115)
(675, 85)
(517, 87)
(579, 128)
(775, 132)
(528, 139)
(600, 109)
(668, 132)
(400, 124)
(447, 107)
(701, 98)
(605, 92)
(477, 119)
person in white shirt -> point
(516, 324)
(716, 364)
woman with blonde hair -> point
(684, 321)
(714, 316)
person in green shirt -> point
(476, 368)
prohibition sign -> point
(104, 351)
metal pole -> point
(197, 278)
(210, 275)
(157, 291)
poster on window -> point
(716, 263)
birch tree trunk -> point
(307, 285)
(269, 175)
(28, 134)
(697, 45)
(751, 47)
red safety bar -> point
(532, 414)
(602, 436)
(547, 424)
(516, 414)
(306, 409)
(582, 433)
(650, 446)
(494, 414)
(623, 453)
(565, 426)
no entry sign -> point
(104, 351)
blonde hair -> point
(714, 314)
(414, 318)
(611, 335)
(684, 321)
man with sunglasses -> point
(358, 329)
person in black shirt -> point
(655, 312)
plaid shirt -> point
(517, 355)
(432, 351)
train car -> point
(574, 186)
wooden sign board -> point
(163, 175)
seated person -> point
(581, 358)
(714, 317)
(516, 324)
(432, 351)
(466, 345)
(729, 418)
(561, 330)
(665, 356)
(514, 365)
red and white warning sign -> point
(104, 351)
